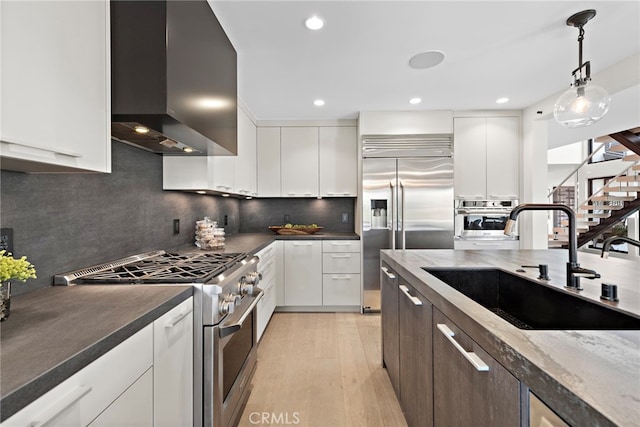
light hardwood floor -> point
(322, 370)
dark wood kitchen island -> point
(587, 377)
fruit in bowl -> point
(295, 228)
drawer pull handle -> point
(302, 244)
(390, 275)
(340, 277)
(177, 319)
(414, 300)
(340, 244)
(469, 355)
(60, 405)
(341, 256)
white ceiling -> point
(359, 61)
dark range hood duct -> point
(173, 74)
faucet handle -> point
(543, 270)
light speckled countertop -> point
(588, 377)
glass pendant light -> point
(584, 103)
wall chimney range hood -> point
(173, 78)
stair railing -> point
(574, 172)
(601, 190)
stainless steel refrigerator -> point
(407, 203)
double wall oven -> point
(479, 224)
(225, 334)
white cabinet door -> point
(245, 164)
(341, 289)
(502, 158)
(187, 173)
(469, 157)
(268, 149)
(303, 272)
(338, 148)
(299, 161)
(133, 408)
(224, 174)
(173, 367)
(56, 93)
(486, 157)
(81, 398)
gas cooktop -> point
(155, 267)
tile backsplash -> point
(63, 222)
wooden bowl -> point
(278, 229)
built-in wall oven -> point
(225, 296)
(479, 224)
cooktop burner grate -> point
(163, 268)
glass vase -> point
(5, 300)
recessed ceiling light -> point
(415, 101)
(318, 102)
(201, 192)
(248, 197)
(314, 23)
(427, 59)
(141, 129)
(225, 195)
(502, 100)
(187, 149)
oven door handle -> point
(226, 330)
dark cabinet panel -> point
(470, 387)
(390, 340)
(416, 373)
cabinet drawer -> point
(341, 262)
(79, 399)
(267, 253)
(268, 270)
(341, 246)
(341, 289)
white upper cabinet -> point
(56, 89)
(502, 158)
(268, 149)
(299, 161)
(486, 157)
(245, 163)
(338, 148)
(222, 174)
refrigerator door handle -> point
(404, 236)
(393, 215)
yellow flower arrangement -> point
(15, 269)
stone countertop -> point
(54, 332)
(587, 377)
(251, 243)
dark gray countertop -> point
(251, 243)
(54, 332)
(588, 377)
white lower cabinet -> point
(322, 274)
(120, 387)
(134, 407)
(303, 273)
(341, 273)
(341, 289)
(173, 367)
(268, 266)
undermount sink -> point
(531, 305)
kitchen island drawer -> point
(341, 263)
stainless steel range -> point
(225, 334)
